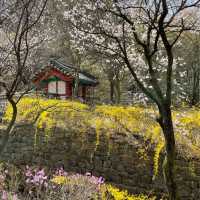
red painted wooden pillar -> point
(84, 92)
(68, 89)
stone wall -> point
(120, 160)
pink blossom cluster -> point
(38, 182)
(6, 196)
(36, 177)
(61, 172)
(95, 180)
(92, 179)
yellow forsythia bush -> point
(106, 119)
(72, 115)
(48, 113)
(107, 191)
(117, 194)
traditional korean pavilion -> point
(57, 80)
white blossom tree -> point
(20, 35)
(190, 72)
(143, 34)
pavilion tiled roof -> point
(84, 77)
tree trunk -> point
(112, 92)
(10, 126)
(76, 82)
(195, 88)
(117, 92)
(166, 124)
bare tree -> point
(141, 30)
(19, 38)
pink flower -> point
(28, 173)
(4, 195)
(41, 173)
(15, 197)
(61, 172)
(36, 177)
(101, 180)
(2, 177)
